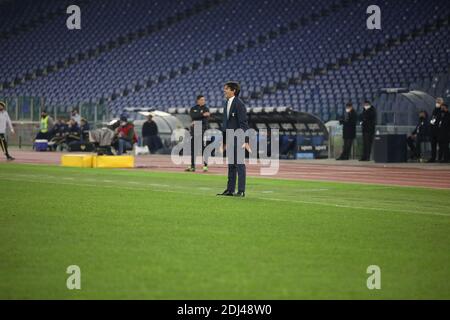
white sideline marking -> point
(355, 207)
(259, 198)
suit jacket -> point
(349, 124)
(422, 129)
(369, 120)
(237, 118)
(444, 127)
(434, 122)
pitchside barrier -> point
(26, 132)
(336, 141)
(94, 161)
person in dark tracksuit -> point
(434, 126)
(234, 118)
(5, 123)
(349, 131)
(368, 123)
(150, 134)
(420, 134)
(199, 114)
(444, 133)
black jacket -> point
(444, 127)
(237, 118)
(422, 129)
(149, 129)
(369, 120)
(434, 121)
(196, 114)
(349, 122)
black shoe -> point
(431, 161)
(226, 193)
(9, 158)
(340, 158)
(363, 159)
(239, 194)
(443, 161)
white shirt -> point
(5, 122)
(229, 102)
(77, 118)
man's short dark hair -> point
(234, 86)
(200, 96)
(367, 102)
(349, 104)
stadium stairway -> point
(109, 44)
(12, 25)
(366, 53)
(236, 48)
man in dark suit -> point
(434, 126)
(444, 133)
(234, 118)
(368, 123)
(349, 131)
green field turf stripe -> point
(152, 188)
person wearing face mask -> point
(444, 133)
(349, 131)
(420, 134)
(368, 123)
(434, 126)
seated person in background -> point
(126, 136)
(420, 134)
(73, 132)
(58, 134)
(84, 130)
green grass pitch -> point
(139, 234)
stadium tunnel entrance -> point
(302, 135)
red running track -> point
(405, 174)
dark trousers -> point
(414, 146)
(444, 150)
(234, 170)
(4, 144)
(434, 146)
(193, 150)
(43, 136)
(367, 145)
(152, 142)
(346, 150)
